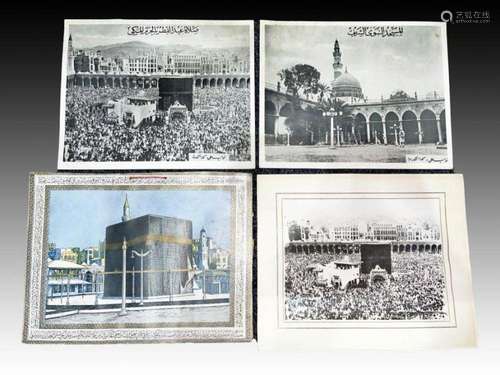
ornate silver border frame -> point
(241, 303)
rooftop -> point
(64, 265)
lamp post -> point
(133, 281)
(332, 113)
(62, 286)
(96, 280)
(141, 255)
(67, 286)
(123, 310)
(332, 125)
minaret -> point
(71, 57)
(337, 63)
(126, 210)
(204, 248)
(70, 45)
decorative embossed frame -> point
(240, 322)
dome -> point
(346, 80)
(347, 86)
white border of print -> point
(241, 330)
(459, 331)
(347, 165)
(143, 165)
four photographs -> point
(370, 95)
(168, 257)
(153, 258)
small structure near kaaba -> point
(178, 112)
(376, 254)
(175, 89)
(167, 269)
(378, 274)
(340, 273)
(132, 111)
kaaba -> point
(173, 90)
(169, 241)
(375, 254)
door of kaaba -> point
(175, 89)
(375, 254)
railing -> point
(387, 101)
(395, 101)
(215, 281)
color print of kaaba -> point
(158, 256)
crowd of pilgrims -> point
(219, 123)
(415, 290)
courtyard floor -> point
(349, 154)
(214, 313)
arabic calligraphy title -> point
(373, 31)
(162, 29)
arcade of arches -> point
(427, 126)
(422, 122)
(102, 81)
(118, 81)
(291, 124)
(227, 82)
(349, 248)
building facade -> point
(383, 232)
(345, 233)
(373, 232)
(90, 69)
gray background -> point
(30, 58)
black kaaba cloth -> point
(175, 89)
(165, 268)
(376, 254)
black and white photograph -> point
(361, 261)
(364, 258)
(354, 95)
(153, 254)
(157, 94)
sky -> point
(337, 211)
(208, 36)
(78, 218)
(412, 62)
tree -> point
(323, 89)
(330, 103)
(399, 95)
(294, 232)
(300, 77)
(81, 255)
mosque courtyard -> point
(210, 313)
(369, 153)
